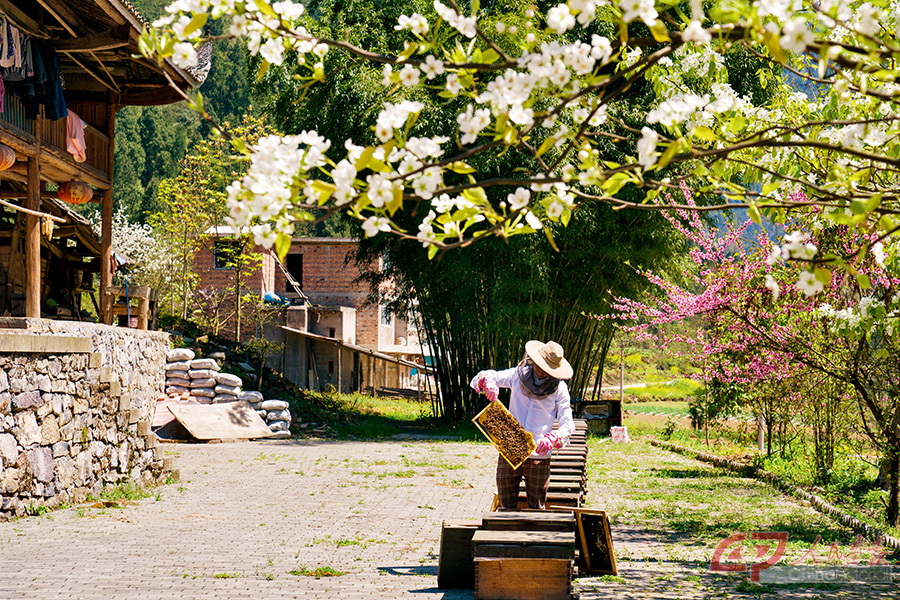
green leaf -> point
(324, 189)
(550, 239)
(282, 245)
(363, 159)
(196, 23)
(823, 275)
(396, 202)
(460, 167)
(265, 8)
(704, 133)
(864, 282)
(475, 195)
(660, 34)
(753, 213)
(770, 187)
(489, 56)
(669, 154)
(860, 207)
(408, 51)
(615, 183)
(432, 251)
(545, 145)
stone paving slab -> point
(245, 514)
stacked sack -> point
(200, 378)
(275, 413)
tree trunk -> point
(893, 507)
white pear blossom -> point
(560, 19)
(415, 23)
(878, 253)
(773, 286)
(374, 224)
(409, 75)
(518, 199)
(796, 35)
(695, 33)
(472, 122)
(646, 147)
(809, 284)
(432, 67)
(645, 10)
(185, 56)
(381, 190)
(453, 86)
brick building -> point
(332, 334)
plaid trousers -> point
(536, 472)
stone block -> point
(106, 374)
(79, 405)
(44, 344)
(9, 504)
(115, 389)
(50, 433)
(168, 464)
(65, 472)
(26, 429)
(59, 386)
(55, 367)
(43, 383)
(41, 462)
(95, 359)
(5, 402)
(4, 381)
(9, 449)
(60, 448)
(134, 415)
(150, 441)
(143, 428)
(27, 400)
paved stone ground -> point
(246, 514)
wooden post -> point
(33, 240)
(339, 366)
(106, 216)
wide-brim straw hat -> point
(549, 357)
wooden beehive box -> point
(523, 579)
(505, 433)
(456, 567)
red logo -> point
(735, 556)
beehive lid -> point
(505, 433)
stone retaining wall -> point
(76, 406)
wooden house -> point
(49, 255)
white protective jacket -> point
(535, 415)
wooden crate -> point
(523, 579)
(456, 569)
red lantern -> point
(7, 157)
(75, 192)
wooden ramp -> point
(232, 420)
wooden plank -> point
(529, 520)
(524, 538)
(234, 420)
(456, 566)
(523, 579)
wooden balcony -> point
(24, 134)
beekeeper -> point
(539, 396)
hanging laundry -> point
(75, 137)
(7, 51)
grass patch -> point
(226, 575)
(679, 388)
(318, 572)
(126, 491)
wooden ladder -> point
(290, 278)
